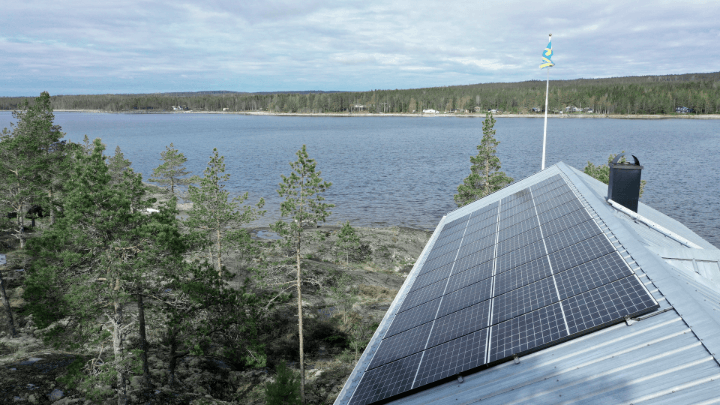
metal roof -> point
(668, 356)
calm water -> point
(404, 170)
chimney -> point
(624, 184)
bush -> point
(285, 390)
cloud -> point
(151, 46)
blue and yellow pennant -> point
(546, 55)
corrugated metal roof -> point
(665, 357)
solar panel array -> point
(512, 277)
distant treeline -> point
(698, 93)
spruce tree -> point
(485, 176)
(216, 219)
(117, 164)
(304, 206)
(172, 171)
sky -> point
(138, 46)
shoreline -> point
(369, 115)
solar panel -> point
(511, 277)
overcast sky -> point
(93, 47)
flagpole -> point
(547, 88)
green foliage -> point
(485, 175)
(172, 171)
(285, 390)
(215, 220)
(348, 241)
(303, 203)
(117, 164)
(344, 292)
(602, 172)
(618, 95)
(28, 162)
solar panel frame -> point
(518, 275)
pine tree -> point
(172, 171)
(28, 162)
(101, 254)
(285, 389)
(348, 241)
(303, 206)
(214, 214)
(485, 176)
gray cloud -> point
(142, 46)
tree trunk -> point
(174, 355)
(143, 341)
(300, 326)
(118, 349)
(6, 304)
(219, 246)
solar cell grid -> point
(544, 187)
(517, 229)
(555, 202)
(565, 222)
(456, 222)
(403, 344)
(423, 295)
(474, 259)
(518, 241)
(447, 238)
(413, 317)
(571, 236)
(520, 256)
(386, 381)
(442, 324)
(516, 219)
(524, 299)
(431, 277)
(473, 246)
(470, 276)
(462, 322)
(560, 211)
(440, 250)
(522, 275)
(484, 211)
(580, 253)
(552, 196)
(465, 297)
(506, 213)
(608, 303)
(438, 263)
(451, 358)
(482, 229)
(526, 332)
(592, 274)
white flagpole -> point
(547, 88)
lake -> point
(404, 170)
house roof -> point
(667, 356)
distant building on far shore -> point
(430, 111)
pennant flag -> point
(546, 55)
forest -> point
(116, 289)
(691, 93)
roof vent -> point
(624, 184)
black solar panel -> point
(509, 278)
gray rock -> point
(55, 395)
(32, 399)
